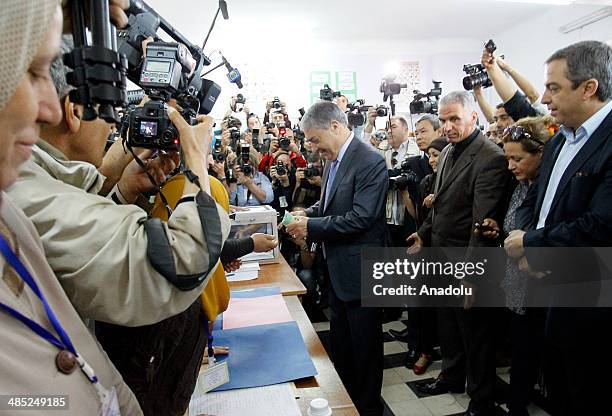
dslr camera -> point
(422, 103)
(381, 136)
(403, 178)
(281, 169)
(218, 155)
(327, 94)
(245, 160)
(311, 171)
(240, 103)
(283, 141)
(477, 74)
(275, 103)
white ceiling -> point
(340, 20)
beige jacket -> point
(27, 362)
(98, 249)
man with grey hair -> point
(349, 216)
(569, 206)
(471, 185)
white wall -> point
(530, 43)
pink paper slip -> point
(264, 310)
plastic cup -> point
(319, 407)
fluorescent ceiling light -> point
(550, 2)
(596, 16)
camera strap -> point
(155, 184)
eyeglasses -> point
(516, 133)
(314, 140)
(393, 158)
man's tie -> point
(330, 180)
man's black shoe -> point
(489, 410)
(411, 357)
(440, 386)
(399, 335)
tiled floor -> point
(400, 395)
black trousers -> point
(422, 329)
(527, 333)
(577, 372)
(467, 343)
(357, 352)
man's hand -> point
(371, 116)
(241, 177)
(135, 180)
(298, 213)
(219, 169)
(489, 229)
(315, 180)
(523, 266)
(274, 146)
(417, 243)
(514, 244)
(232, 266)
(116, 9)
(298, 228)
(263, 242)
(428, 201)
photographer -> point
(370, 126)
(41, 362)
(402, 146)
(253, 187)
(308, 181)
(59, 186)
(343, 102)
(283, 177)
(282, 145)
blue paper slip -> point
(255, 293)
(264, 355)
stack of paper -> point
(273, 400)
(248, 271)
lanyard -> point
(63, 342)
(211, 351)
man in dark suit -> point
(350, 216)
(470, 186)
(570, 206)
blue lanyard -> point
(63, 342)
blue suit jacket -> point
(580, 216)
(354, 217)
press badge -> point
(214, 376)
(110, 404)
(283, 202)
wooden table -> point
(274, 274)
(326, 384)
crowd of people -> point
(113, 264)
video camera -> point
(389, 87)
(357, 112)
(327, 94)
(417, 106)
(167, 71)
(477, 74)
(403, 178)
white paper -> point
(242, 276)
(247, 271)
(275, 400)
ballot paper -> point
(264, 310)
(275, 400)
(248, 271)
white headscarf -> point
(23, 24)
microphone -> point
(223, 8)
(232, 73)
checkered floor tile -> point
(399, 393)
